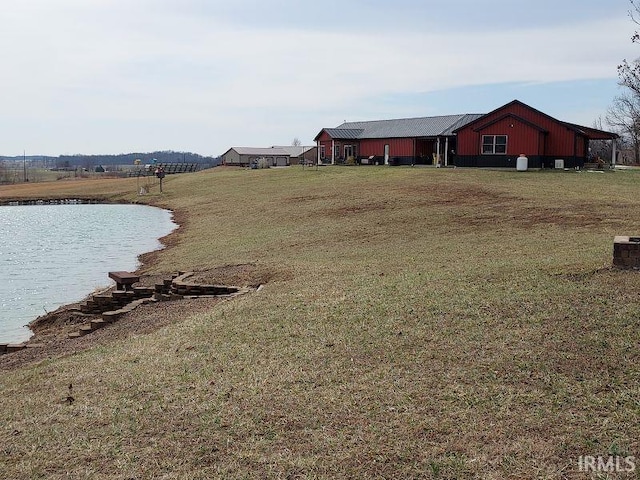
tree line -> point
(91, 161)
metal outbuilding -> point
(300, 154)
(245, 156)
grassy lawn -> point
(418, 323)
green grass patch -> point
(417, 323)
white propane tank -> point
(522, 163)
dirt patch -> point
(308, 198)
(484, 208)
(530, 216)
(356, 209)
(582, 277)
(451, 193)
(494, 207)
(427, 196)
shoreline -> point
(52, 340)
(67, 200)
(50, 331)
(39, 326)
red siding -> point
(521, 138)
(339, 145)
(560, 141)
(398, 147)
(324, 140)
(468, 142)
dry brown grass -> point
(415, 323)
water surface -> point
(52, 255)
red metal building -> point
(499, 137)
(494, 139)
(405, 141)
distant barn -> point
(300, 154)
(245, 156)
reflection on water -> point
(51, 255)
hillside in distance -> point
(89, 161)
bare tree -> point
(296, 142)
(624, 116)
(600, 149)
(629, 72)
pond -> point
(52, 255)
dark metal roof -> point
(295, 150)
(345, 133)
(402, 127)
(466, 118)
(591, 133)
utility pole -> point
(24, 165)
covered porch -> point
(601, 148)
(434, 151)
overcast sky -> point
(119, 76)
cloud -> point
(201, 63)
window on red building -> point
(494, 144)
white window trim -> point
(350, 147)
(493, 145)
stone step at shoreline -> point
(110, 306)
(173, 288)
(12, 347)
